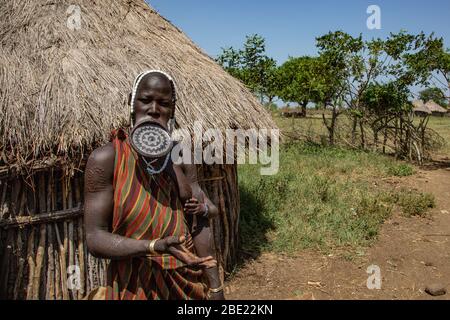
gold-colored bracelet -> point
(151, 246)
(216, 290)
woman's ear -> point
(129, 99)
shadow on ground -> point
(253, 228)
(436, 164)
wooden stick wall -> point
(43, 252)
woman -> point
(136, 219)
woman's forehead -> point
(155, 82)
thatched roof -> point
(418, 103)
(62, 90)
(419, 106)
(434, 107)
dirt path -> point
(411, 253)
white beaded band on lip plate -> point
(136, 85)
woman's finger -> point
(191, 206)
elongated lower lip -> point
(152, 121)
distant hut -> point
(66, 68)
(420, 109)
(292, 113)
(436, 110)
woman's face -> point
(154, 100)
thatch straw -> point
(434, 107)
(419, 106)
(63, 90)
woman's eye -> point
(145, 101)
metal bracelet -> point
(216, 290)
(205, 215)
(151, 246)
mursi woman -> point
(137, 220)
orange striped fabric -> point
(147, 208)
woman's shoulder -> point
(102, 158)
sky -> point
(290, 27)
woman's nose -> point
(153, 108)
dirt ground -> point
(412, 253)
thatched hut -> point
(436, 110)
(66, 68)
(287, 112)
(419, 109)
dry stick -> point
(31, 266)
(58, 294)
(41, 219)
(14, 199)
(65, 242)
(71, 252)
(3, 206)
(234, 195)
(100, 271)
(8, 248)
(217, 227)
(39, 262)
(81, 292)
(30, 254)
(51, 267)
(4, 266)
(86, 268)
(62, 265)
(225, 227)
(234, 189)
(97, 272)
(91, 272)
(105, 266)
(57, 256)
(41, 247)
(51, 250)
(18, 281)
(231, 216)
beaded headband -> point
(136, 83)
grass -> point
(325, 197)
(314, 128)
(321, 198)
(442, 126)
(411, 202)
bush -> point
(412, 203)
(401, 170)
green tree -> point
(434, 94)
(230, 60)
(252, 66)
(430, 62)
(341, 66)
(299, 82)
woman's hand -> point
(194, 207)
(175, 246)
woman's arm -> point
(195, 205)
(98, 210)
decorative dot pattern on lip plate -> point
(151, 140)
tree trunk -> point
(354, 125)
(363, 138)
(304, 104)
(332, 126)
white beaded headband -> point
(136, 85)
